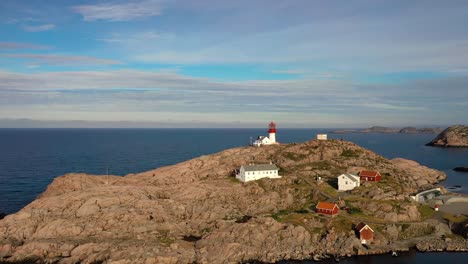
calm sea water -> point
(31, 158)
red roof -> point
(369, 173)
(361, 225)
(326, 206)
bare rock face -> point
(454, 136)
(195, 212)
(421, 175)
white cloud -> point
(18, 45)
(119, 11)
(63, 60)
(39, 28)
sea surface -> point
(31, 158)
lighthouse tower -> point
(272, 132)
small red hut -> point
(327, 208)
(373, 176)
(365, 233)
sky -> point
(210, 63)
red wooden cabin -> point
(327, 208)
(373, 176)
(365, 233)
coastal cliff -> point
(196, 212)
(454, 136)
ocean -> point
(31, 158)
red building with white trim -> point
(372, 176)
(365, 233)
(327, 208)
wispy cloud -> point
(112, 11)
(126, 94)
(18, 45)
(293, 71)
(39, 28)
(63, 60)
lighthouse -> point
(272, 132)
(270, 140)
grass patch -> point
(321, 165)
(234, 180)
(354, 211)
(341, 224)
(350, 153)
(425, 211)
(294, 156)
(454, 218)
(278, 216)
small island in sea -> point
(198, 211)
(381, 129)
(454, 136)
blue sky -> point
(218, 63)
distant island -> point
(198, 212)
(381, 129)
(454, 136)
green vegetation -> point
(354, 210)
(454, 218)
(164, 238)
(342, 224)
(294, 156)
(425, 211)
(234, 180)
(415, 230)
(321, 165)
(279, 215)
(350, 153)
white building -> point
(270, 140)
(262, 140)
(348, 182)
(322, 136)
(258, 171)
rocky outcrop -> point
(454, 136)
(422, 176)
(461, 169)
(196, 212)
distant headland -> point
(454, 136)
(404, 130)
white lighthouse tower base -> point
(272, 137)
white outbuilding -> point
(347, 182)
(262, 140)
(322, 136)
(257, 171)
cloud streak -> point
(63, 60)
(39, 28)
(119, 11)
(18, 45)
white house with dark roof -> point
(257, 171)
(261, 141)
(347, 182)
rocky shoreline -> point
(196, 212)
